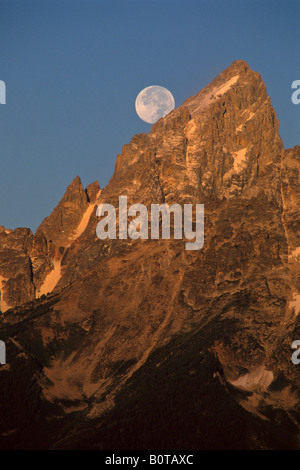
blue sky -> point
(73, 69)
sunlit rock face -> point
(127, 322)
(31, 265)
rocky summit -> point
(141, 344)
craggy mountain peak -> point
(137, 332)
(214, 145)
(31, 264)
(67, 214)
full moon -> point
(153, 103)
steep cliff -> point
(137, 324)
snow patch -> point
(206, 97)
(239, 129)
(239, 159)
(295, 303)
(221, 90)
(51, 279)
(294, 256)
(250, 116)
(54, 276)
(190, 128)
(84, 221)
(3, 305)
(258, 378)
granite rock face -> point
(16, 284)
(31, 264)
(124, 314)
